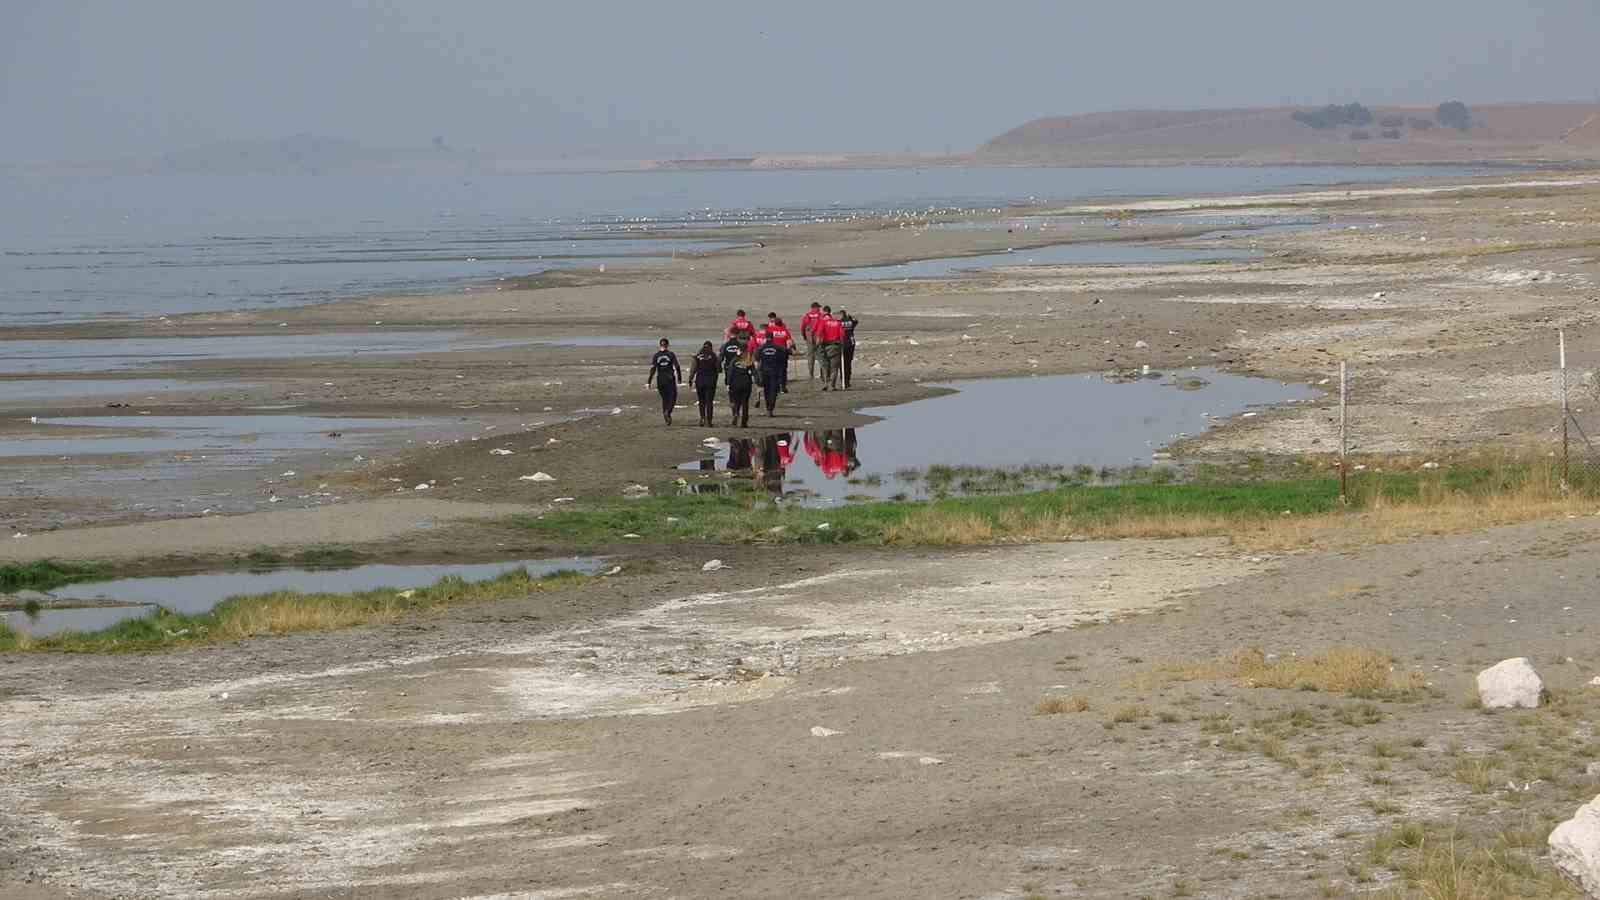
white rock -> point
(1575, 847)
(819, 731)
(423, 487)
(538, 476)
(499, 451)
(616, 411)
(1595, 681)
(1430, 465)
(1140, 345)
(715, 565)
(1510, 683)
(930, 761)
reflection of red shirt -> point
(834, 463)
(809, 321)
(814, 448)
(785, 453)
(829, 330)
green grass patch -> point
(954, 520)
(287, 612)
(44, 574)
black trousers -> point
(739, 398)
(707, 397)
(669, 396)
(771, 386)
(849, 358)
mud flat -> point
(825, 721)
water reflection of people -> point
(777, 454)
(833, 452)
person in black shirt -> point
(741, 380)
(847, 355)
(667, 374)
(703, 372)
(774, 359)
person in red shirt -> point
(830, 337)
(808, 325)
(739, 323)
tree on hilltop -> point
(1454, 114)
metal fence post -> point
(1344, 440)
(1566, 410)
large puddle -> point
(245, 440)
(137, 597)
(1084, 254)
(1033, 427)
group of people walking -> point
(751, 357)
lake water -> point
(1059, 420)
(1093, 253)
(87, 248)
(198, 593)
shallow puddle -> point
(199, 593)
(1095, 253)
(1004, 423)
(245, 439)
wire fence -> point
(1578, 395)
(1364, 429)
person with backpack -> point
(847, 344)
(703, 372)
(773, 359)
(667, 375)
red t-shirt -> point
(829, 330)
(737, 325)
(809, 321)
(781, 336)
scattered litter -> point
(616, 411)
(422, 487)
(715, 565)
(930, 761)
(1430, 465)
(406, 595)
(630, 535)
(538, 476)
(614, 570)
(499, 451)
(563, 499)
(824, 526)
(289, 474)
(819, 731)
(1140, 345)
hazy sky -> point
(84, 79)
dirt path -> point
(866, 730)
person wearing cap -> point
(667, 375)
(808, 325)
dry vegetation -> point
(1357, 671)
(1055, 704)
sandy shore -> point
(842, 721)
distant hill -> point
(300, 154)
(1500, 132)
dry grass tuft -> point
(1055, 704)
(1341, 670)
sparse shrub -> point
(1055, 704)
(1333, 116)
